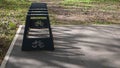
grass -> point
(12, 13)
(87, 2)
(7, 32)
(70, 2)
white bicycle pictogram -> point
(38, 43)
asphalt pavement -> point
(80, 46)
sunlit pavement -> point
(75, 47)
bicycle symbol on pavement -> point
(38, 43)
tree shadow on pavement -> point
(75, 47)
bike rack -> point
(37, 32)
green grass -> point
(7, 32)
(101, 23)
(68, 1)
(106, 0)
(12, 13)
(77, 2)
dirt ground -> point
(101, 13)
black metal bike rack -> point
(37, 33)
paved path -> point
(75, 47)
